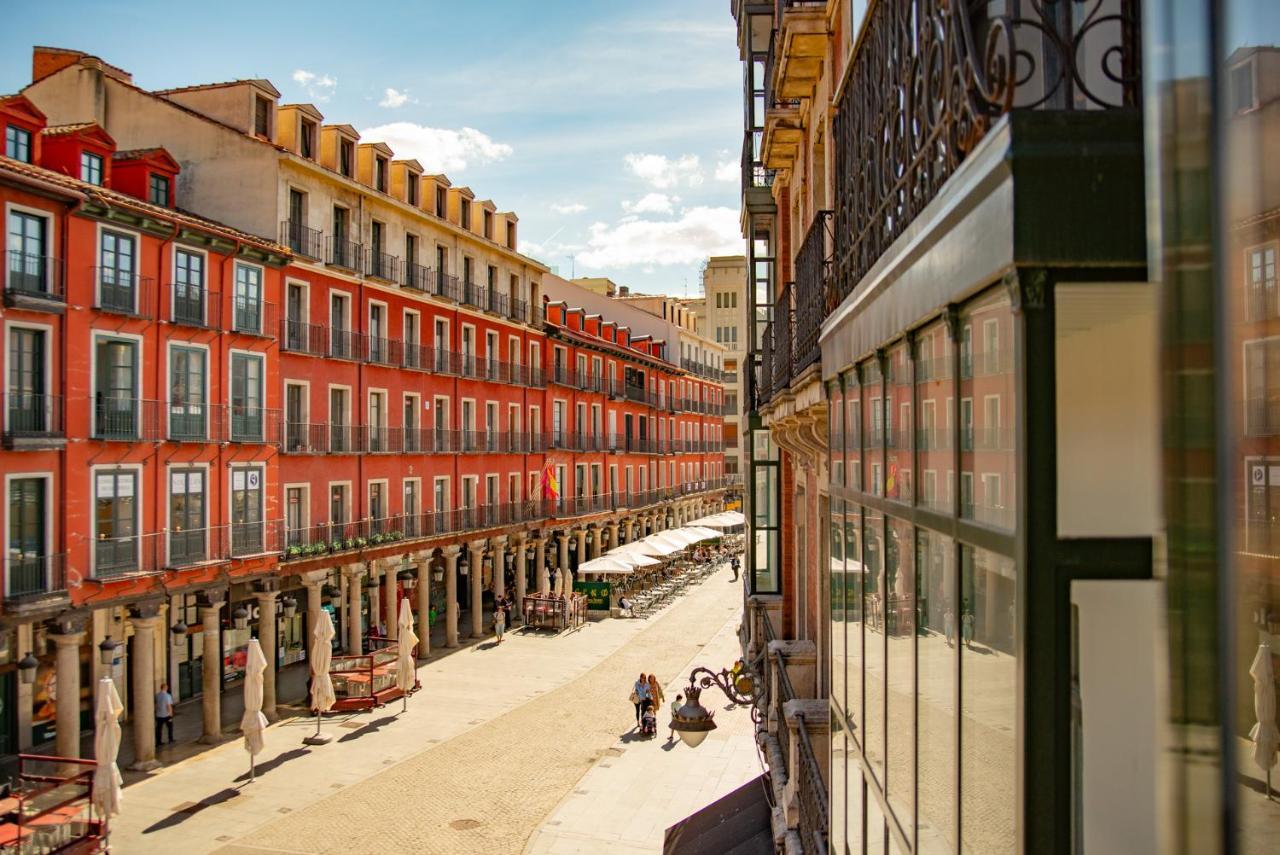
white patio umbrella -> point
(253, 723)
(665, 545)
(322, 694)
(637, 547)
(406, 672)
(107, 782)
(606, 564)
(1265, 736)
(704, 532)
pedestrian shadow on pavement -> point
(372, 727)
(184, 812)
(279, 760)
(486, 645)
(634, 735)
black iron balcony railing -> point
(193, 306)
(383, 266)
(30, 575)
(417, 277)
(345, 344)
(254, 317)
(345, 439)
(28, 415)
(302, 240)
(812, 287)
(1262, 416)
(299, 337)
(444, 285)
(33, 276)
(304, 438)
(344, 253)
(382, 351)
(383, 440)
(754, 172)
(250, 423)
(474, 295)
(1056, 56)
(537, 315)
(519, 310)
(497, 302)
(194, 421)
(125, 419)
(783, 340)
(123, 292)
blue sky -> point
(612, 129)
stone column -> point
(596, 534)
(314, 583)
(499, 550)
(25, 636)
(521, 568)
(562, 567)
(267, 639)
(540, 566)
(423, 591)
(211, 703)
(391, 604)
(375, 598)
(451, 595)
(476, 562)
(355, 638)
(67, 685)
(581, 535)
(142, 663)
(630, 524)
(613, 535)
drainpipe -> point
(162, 383)
(64, 372)
(223, 444)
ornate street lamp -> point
(240, 618)
(288, 606)
(107, 651)
(178, 630)
(27, 666)
(407, 579)
(693, 721)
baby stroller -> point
(648, 721)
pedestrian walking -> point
(675, 708)
(164, 713)
(966, 627)
(639, 694)
(949, 625)
(499, 618)
(735, 565)
(655, 692)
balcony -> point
(33, 422)
(249, 423)
(783, 128)
(444, 285)
(345, 344)
(123, 292)
(193, 306)
(254, 317)
(783, 329)
(121, 419)
(383, 266)
(812, 289)
(497, 303)
(299, 337)
(33, 577)
(344, 253)
(1058, 57)
(800, 41)
(383, 440)
(302, 240)
(417, 277)
(382, 351)
(304, 438)
(34, 282)
(519, 310)
(474, 295)
(756, 177)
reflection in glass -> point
(936, 654)
(835, 432)
(872, 428)
(873, 643)
(988, 702)
(839, 770)
(900, 694)
(935, 396)
(838, 588)
(987, 411)
(877, 834)
(853, 638)
(853, 431)
(897, 425)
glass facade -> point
(923, 589)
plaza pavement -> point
(494, 742)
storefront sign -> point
(597, 593)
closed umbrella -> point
(254, 723)
(107, 782)
(406, 672)
(1265, 736)
(322, 696)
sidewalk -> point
(460, 732)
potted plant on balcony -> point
(293, 552)
(336, 546)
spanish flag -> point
(550, 485)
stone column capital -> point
(452, 550)
(145, 610)
(266, 596)
(145, 622)
(353, 571)
(67, 639)
(499, 541)
(267, 584)
(520, 537)
(314, 579)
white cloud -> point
(569, 208)
(439, 149)
(664, 172)
(698, 232)
(319, 87)
(652, 203)
(727, 170)
(394, 98)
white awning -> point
(606, 565)
(726, 519)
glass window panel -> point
(853, 431)
(855, 796)
(987, 411)
(876, 833)
(988, 702)
(897, 424)
(838, 588)
(853, 583)
(936, 676)
(899, 602)
(872, 428)
(766, 579)
(835, 432)
(873, 641)
(934, 399)
(839, 771)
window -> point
(262, 117)
(466, 213)
(1262, 283)
(1242, 81)
(186, 516)
(441, 497)
(158, 193)
(115, 516)
(115, 388)
(339, 504)
(380, 174)
(25, 571)
(441, 198)
(411, 258)
(246, 398)
(307, 140)
(488, 224)
(378, 422)
(511, 237)
(248, 316)
(346, 154)
(246, 511)
(377, 504)
(188, 287)
(28, 267)
(339, 421)
(187, 407)
(295, 515)
(29, 408)
(91, 167)
(340, 336)
(411, 188)
(17, 143)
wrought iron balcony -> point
(783, 340)
(32, 280)
(417, 277)
(344, 253)
(299, 337)
(193, 306)
(754, 173)
(302, 240)
(444, 285)
(28, 575)
(123, 292)
(383, 266)
(901, 129)
(813, 275)
(474, 295)
(519, 310)
(254, 317)
(31, 419)
(125, 419)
